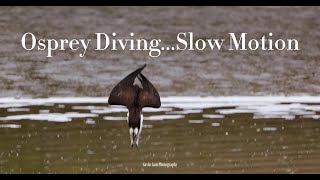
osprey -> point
(135, 92)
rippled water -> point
(197, 134)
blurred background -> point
(31, 74)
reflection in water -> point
(163, 117)
(215, 124)
(114, 118)
(17, 109)
(55, 117)
(10, 126)
(212, 116)
(196, 121)
(269, 128)
(200, 135)
(90, 121)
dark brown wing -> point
(148, 96)
(124, 93)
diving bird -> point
(135, 92)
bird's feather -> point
(148, 96)
(132, 96)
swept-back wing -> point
(124, 93)
(148, 95)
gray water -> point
(174, 73)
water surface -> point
(198, 134)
